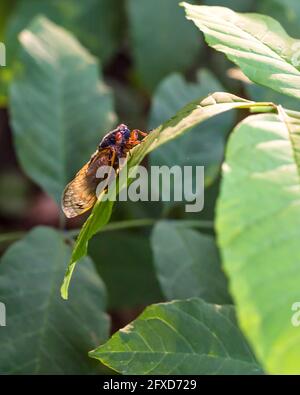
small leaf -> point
(181, 337)
(256, 43)
(258, 222)
(192, 114)
(191, 267)
(44, 334)
(58, 117)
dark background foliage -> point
(154, 61)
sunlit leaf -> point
(256, 43)
(258, 222)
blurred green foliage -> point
(75, 68)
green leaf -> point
(44, 334)
(181, 337)
(124, 262)
(258, 222)
(58, 117)
(162, 40)
(205, 143)
(188, 117)
(191, 267)
(256, 43)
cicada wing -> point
(80, 194)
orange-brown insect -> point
(80, 194)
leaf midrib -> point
(52, 291)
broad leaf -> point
(44, 334)
(187, 263)
(182, 337)
(205, 143)
(162, 40)
(258, 222)
(188, 117)
(58, 117)
(256, 43)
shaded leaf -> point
(58, 117)
(181, 337)
(187, 263)
(162, 40)
(44, 334)
(205, 143)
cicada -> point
(80, 194)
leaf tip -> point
(64, 289)
(91, 354)
(183, 4)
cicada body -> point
(80, 194)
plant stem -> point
(12, 236)
(119, 225)
(136, 223)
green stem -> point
(136, 223)
(119, 225)
(9, 237)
